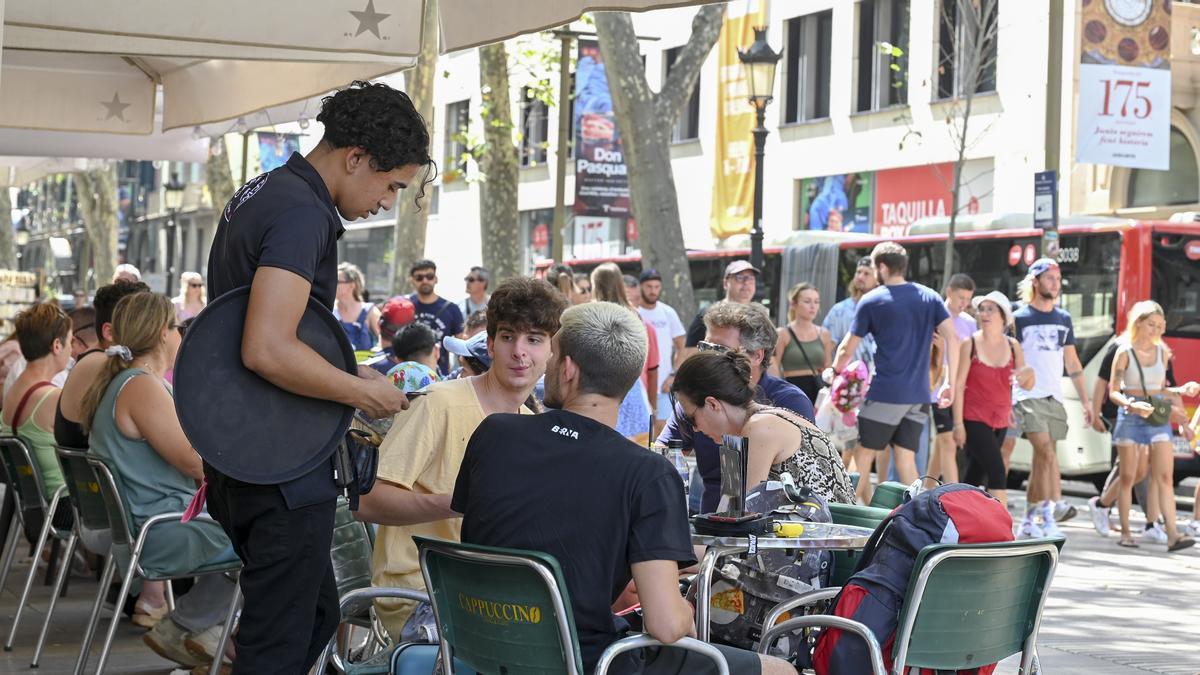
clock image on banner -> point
(1124, 112)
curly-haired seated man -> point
(419, 458)
(566, 483)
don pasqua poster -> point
(601, 177)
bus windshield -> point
(1175, 282)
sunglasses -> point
(711, 347)
(680, 413)
(179, 327)
(425, 277)
(195, 284)
(743, 278)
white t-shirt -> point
(668, 327)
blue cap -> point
(1041, 266)
(474, 347)
(649, 275)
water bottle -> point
(675, 454)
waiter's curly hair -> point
(525, 304)
(382, 121)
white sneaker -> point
(1029, 529)
(1100, 519)
(1155, 533)
(1049, 524)
(1192, 529)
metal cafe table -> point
(816, 536)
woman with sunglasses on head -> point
(129, 412)
(712, 390)
(191, 298)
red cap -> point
(397, 313)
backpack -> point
(949, 514)
(747, 586)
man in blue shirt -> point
(278, 235)
(733, 325)
(902, 316)
(443, 316)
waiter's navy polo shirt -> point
(286, 219)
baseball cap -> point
(1041, 266)
(1000, 299)
(397, 313)
(474, 347)
(740, 266)
(649, 275)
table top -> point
(815, 535)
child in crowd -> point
(417, 349)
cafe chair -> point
(844, 562)
(30, 494)
(128, 542)
(967, 605)
(504, 610)
(888, 495)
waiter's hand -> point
(378, 397)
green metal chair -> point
(507, 611)
(30, 493)
(967, 605)
(844, 562)
(888, 495)
(125, 536)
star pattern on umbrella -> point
(115, 107)
(369, 20)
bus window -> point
(1090, 265)
(986, 261)
(1175, 284)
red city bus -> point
(1108, 264)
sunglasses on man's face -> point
(471, 280)
(424, 277)
(705, 346)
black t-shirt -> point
(286, 219)
(1108, 409)
(443, 318)
(696, 331)
(572, 487)
(68, 433)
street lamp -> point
(172, 199)
(758, 70)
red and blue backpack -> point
(949, 514)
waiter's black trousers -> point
(291, 602)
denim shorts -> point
(1134, 429)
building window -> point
(458, 118)
(1178, 185)
(535, 128)
(882, 54)
(806, 94)
(688, 126)
(967, 47)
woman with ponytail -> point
(713, 391)
(130, 413)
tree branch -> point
(685, 72)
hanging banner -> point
(601, 177)
(733, 178)
(1125, 84)
(839, 203)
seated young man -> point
(566, 483)
(420, 455)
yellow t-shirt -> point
(422, 452)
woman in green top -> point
(804, 349)
(44, 333)
(129, 412)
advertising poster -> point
(274, 149)
(841, 203)
(1124, 113)
(906, 195)
(733, 177)
(601, 177)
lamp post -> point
(758, 70)
(172, 199)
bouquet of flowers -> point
(848, 391)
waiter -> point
(279, 235)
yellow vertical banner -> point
(733, 178)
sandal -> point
(1180, 544)
(1128, 543)
(147, 617)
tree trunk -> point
(8, 248)
(219, 178)
(98, 205)
(645, 120)
(498, 215)
(413, 216)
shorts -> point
(1042, 415)
(943, 419)
(900, 424)
(1134, 429)
(674, 661)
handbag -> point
(1162, 405)
(356, 463)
